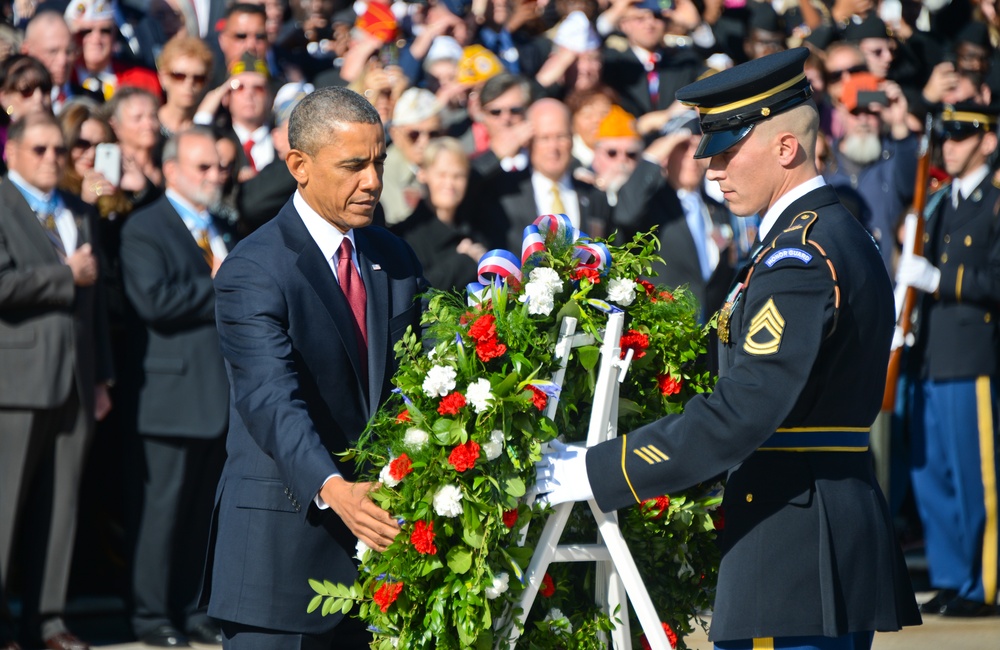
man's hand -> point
(369, 523)
(102, 401)
(915, 271)
(511, 140)
(561, 475)
(83, 264)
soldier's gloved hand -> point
(561, 475)
(918, 273)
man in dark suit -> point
(309, 308)
(546, 187)
(170, 250)
(56, 364)
(954, 369)
(48, 39)
(809, 556)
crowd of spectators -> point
(497, 111)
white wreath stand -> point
(617, 575)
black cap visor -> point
(716, 142)
(961, 130)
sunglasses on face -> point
(28, 91)
(85, 145)
(41, 150)
(513, 110)
(103, 31)
(415, 135)
(242, 36)
(614, 153)
(197, 79)
(836, 75)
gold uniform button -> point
(944, 258)
(947, 239)
(987, 318)
(927, 238)
(968, 240)
(749, 498)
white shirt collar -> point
(786, 200)
(258, 135)
(324, 233)
(968, 183)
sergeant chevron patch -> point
(765, 332)
(650, 454)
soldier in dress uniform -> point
(953, 415)
(809, 558)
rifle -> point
(906, 297)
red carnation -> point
(671, 636)
(656, 507)
(666, 295)
(590, 274)
(509, 518)
(719, 518)
(538, 398)
(422, 538)
(403, 417)
(464, 457)
(387, 594)
(667, 385)
(400, 467)
(490, 349)
(485, 328)
(633, 340)
(548, 587)
(451, 404)
(650, 289)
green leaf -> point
(504, 387)
(459, 559)
(327, 606)
(515, 487)
(318, 587)
(314, 604)
(589, 355)
(346, 607)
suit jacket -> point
(175, 368)
(957, 327)
(808, 547)
(52, 332)
(624, 72)
(297, 397)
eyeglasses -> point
(103, 31)
(28, 91)
(614, 153)
(41, 150)
(415, 135)
(512, 110)
(879, 51)
(242, 36)
(835, 75)
(85, 145)
(198, 79)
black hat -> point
(975, 33)
(959, 121)
(764, 17)
(869, 27)
(730, 102)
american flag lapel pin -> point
(376, 267)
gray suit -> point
(54, 347)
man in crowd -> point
(243, 33)
(56, 360)
(309, 308)
(170, 251)
(954, 367)
(416, 120)
(808, 560)
(48, 39)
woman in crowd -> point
(438, 229)
(588, 107)
(133, 116)
(184, 66)
(25, 87)
(84, 129)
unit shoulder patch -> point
(788, 254)
(766, 330)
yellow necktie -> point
(557, 204)
(205, 244)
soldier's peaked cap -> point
(966, 118)
(731, 102)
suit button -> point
(749, 497)
(968, 240)
(947, 239)
(944, 258)
(986, 318)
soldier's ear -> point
(790, 150)
(989, 143)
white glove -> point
(561, 475)
(917, 272)
(897, 338)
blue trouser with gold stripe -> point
(856, 641)
(954, 471)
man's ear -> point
(789, 149)
(298, 163)
(989, 143)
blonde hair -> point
(438, 146)
(183, 45)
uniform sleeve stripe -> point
(625, 472)
(958, 283)
(644, 454)
(987, 451)
(656, 451)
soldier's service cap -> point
(964, 119)
(731, 102)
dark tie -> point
(357, 297)
(48, 220)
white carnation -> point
(546, 277)
(622, 291)
(386, 476)
(498, 587)
(439, 381)
(415, 438)
(479, 395)
(540, 299)
(361, 550)
(448, 501)
(494, 447)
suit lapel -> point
(27, 220)
(377, 289)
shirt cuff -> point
(318, 500)
(203, 118)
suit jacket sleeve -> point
(253, 321)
